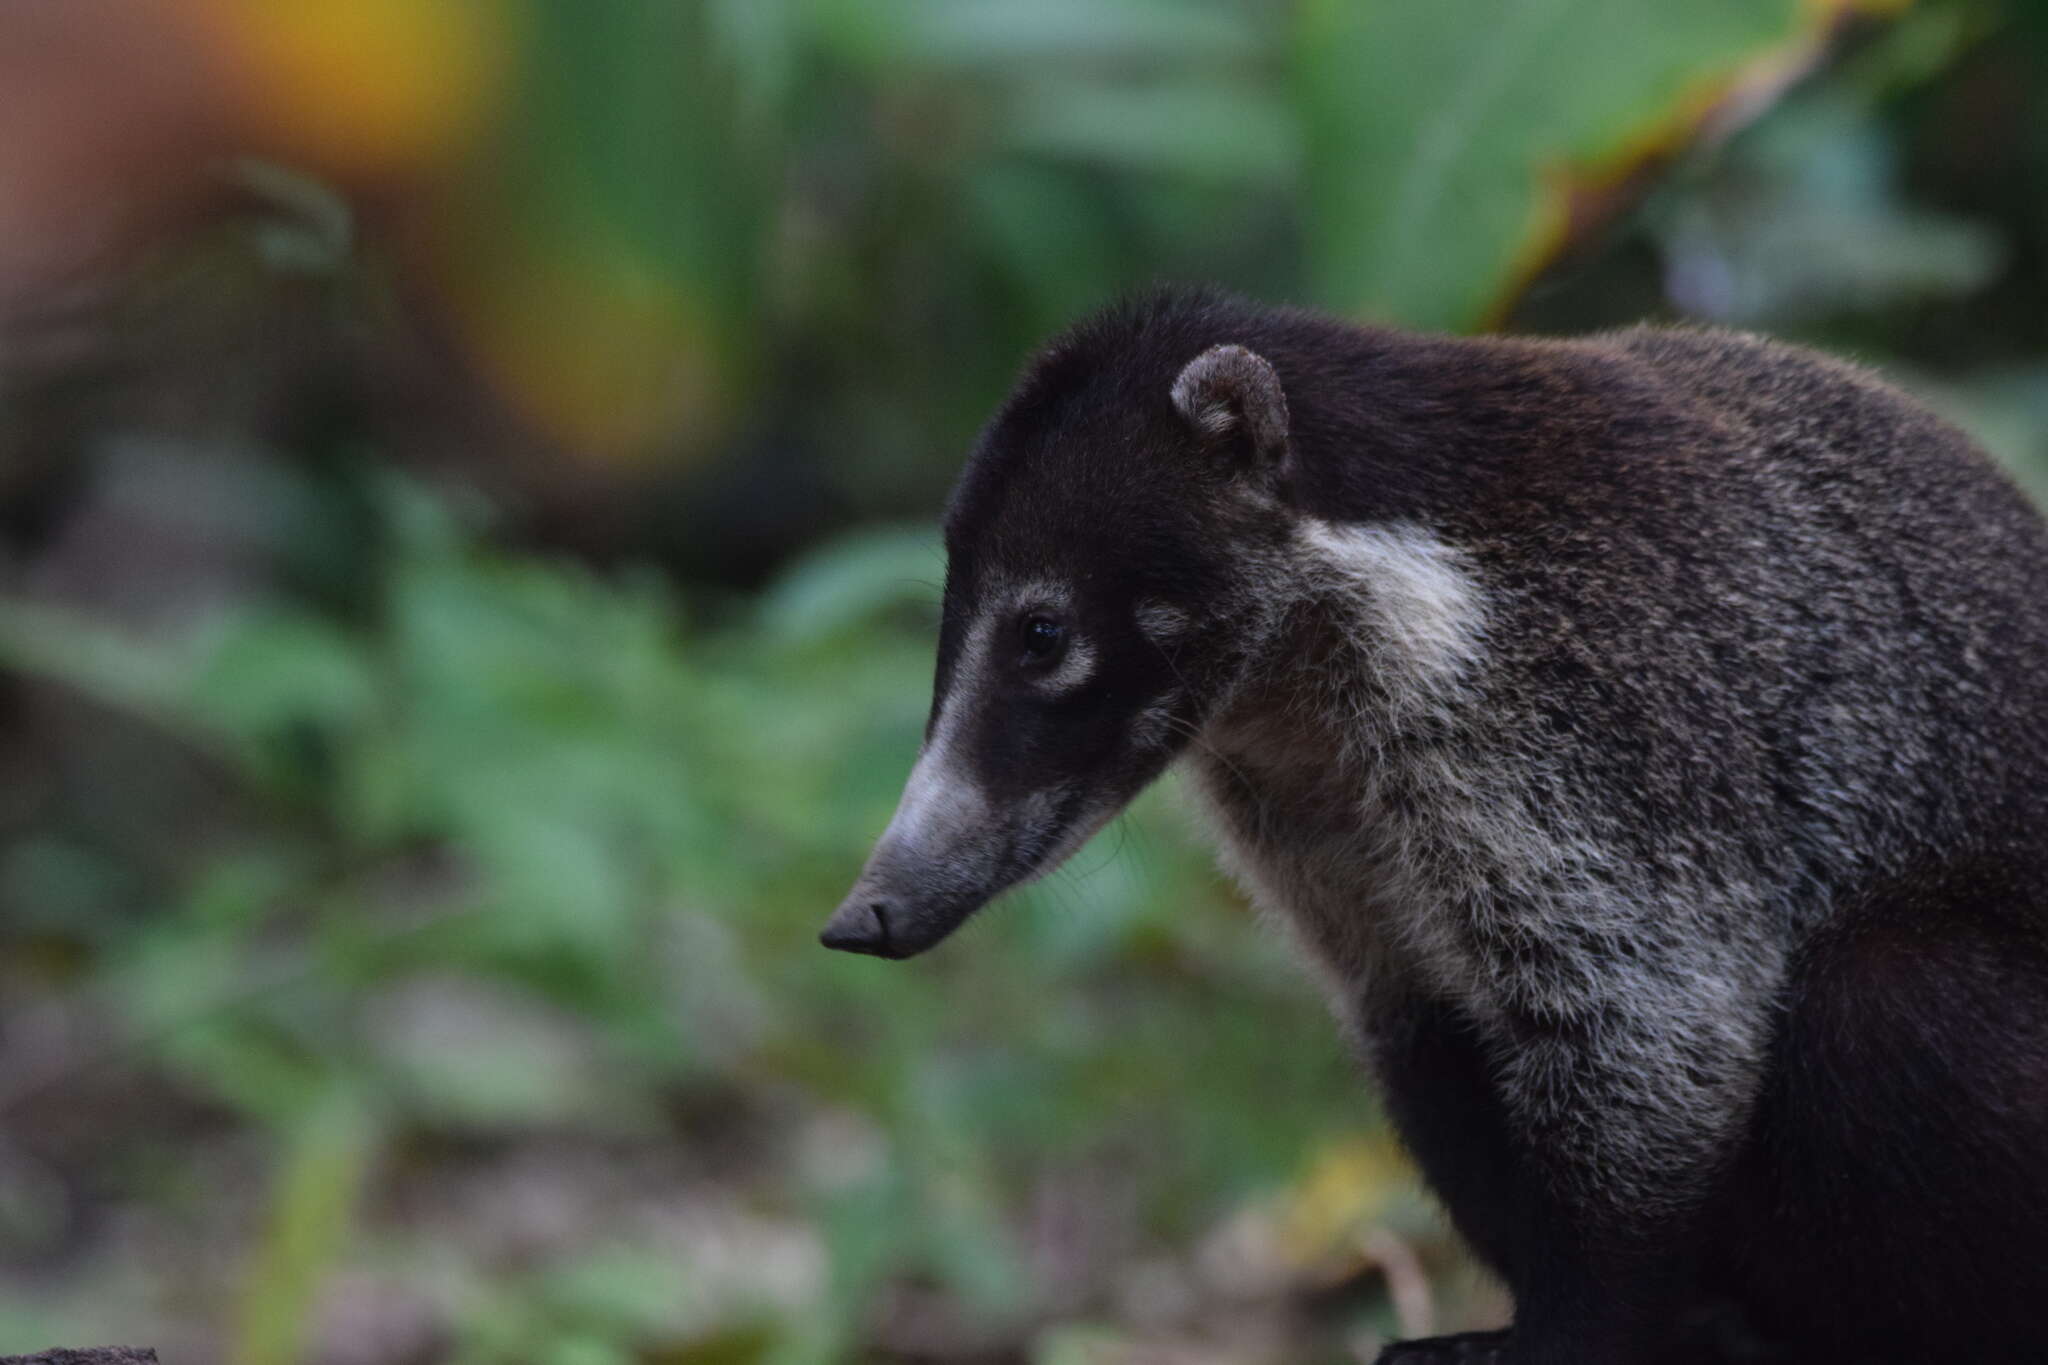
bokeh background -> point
(467, 578)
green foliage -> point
(884, 171)
(326, 1158)
(523, 854)
(1436, 127)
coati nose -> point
(859, 926)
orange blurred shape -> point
(362, 90)
(588, 341)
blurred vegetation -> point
(466, 479)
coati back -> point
(1645, 736)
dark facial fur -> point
(1627, 728)
(1129, 520)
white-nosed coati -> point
(1647, 738)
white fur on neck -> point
(1467, 841)
(1417, 592)
(1401, 617)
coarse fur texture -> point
(1646, 739)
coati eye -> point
(1042, 639)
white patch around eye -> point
(1011, 606)
(1075, 670)
(1054, 599)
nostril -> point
(880, 911)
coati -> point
(1646, 738)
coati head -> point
(1106, 588)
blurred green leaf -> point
(1010, 33)
(270, 669)
(326, 1157)
(1805, 219)
(313, 228)
(1440, 134)
(1203, 130)
(100, 662)
(846, 583)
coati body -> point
(1646, 737)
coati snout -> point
(1097, 602)
(1645, 738)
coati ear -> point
(1229, 393)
